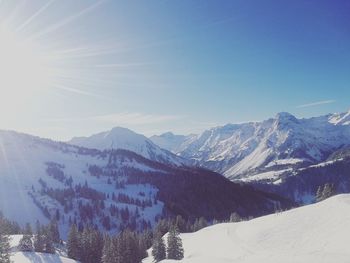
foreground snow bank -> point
(34, 257)
(313, 233)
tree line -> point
(89, 245)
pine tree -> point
(39, 245)
(324, 192)
(199, 224)
(158, 248)
(174, 248)
(54, 231)
(26, 243)
(48, 241)
(319, 194)
(234, 217)
(328, 191)
(108, 255)
(91, 246)
(73, 243)
(28, 230)
(4, 248)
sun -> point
(23, 68)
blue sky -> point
(182, 66)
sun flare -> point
(23, 69)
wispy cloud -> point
(316, 103)
(67, 20)
(124, 119)
(123, 65)
(77, 91)
(129, 118)
(36, 14)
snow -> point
(23, 161)
(236, 150)
(340, 118)
(34, 257)
(172, 142)
(322, 164)
(314, 233)
(270, 176)
(123, 138)
(284, 162)
(31, 257)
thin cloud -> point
(36, 14)
(123, 118)
(77, 91)
(316, 103)
(67, 20)
(123, 65)
(129, 118)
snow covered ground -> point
(314, 233)
(34, 257)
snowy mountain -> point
(301, 183)
(241, 151)
(313, 233)
(43, 179)
(122, 138)
(172, 142)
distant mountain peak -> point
(285, 116)
(124, 138)
(239, 150)
(167, 134)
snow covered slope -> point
(314, 233)
(112, 190)
(122, 138)
(41, 178)
(172, 142)
(34, 257)
(240, 150)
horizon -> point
(78, 68)
(67, 140)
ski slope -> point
(314, 233)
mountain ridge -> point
(239, 150)
(124, 138)
(112, 189)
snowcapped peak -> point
(167, 135)
(123, 138)
(285, 116)
(340, 118)
(120, 131)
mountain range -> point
(118, 178)
(243, 151)
(113, 189)
(123, 138)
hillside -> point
(313, 233)
(243, 151)
(301, 184)
(112, 190)
(172, 142)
